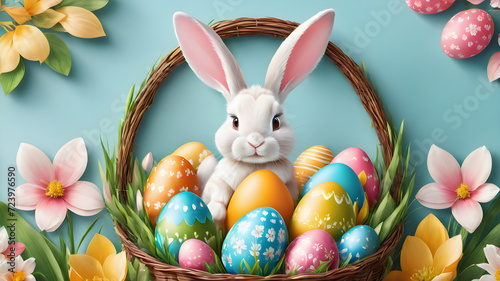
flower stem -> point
(71, 235)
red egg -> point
(467, 34)
(429, 6)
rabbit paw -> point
(218, 211)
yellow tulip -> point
(429, 255)
(19, 14)
(99, 263)
(27, 41)
(81, 23)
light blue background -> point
(416, 80)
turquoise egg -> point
(341, 174)
(360, 241)
(260, 237)
(185, 216)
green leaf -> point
(85, 234)
(393, 166)
(86, 4)
(39, 276)
(71, 234)
(58, 27)
(59, 58)
(383, 210)
(10, 80)
(60, 255)
(36, 245)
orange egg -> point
(262, 188)
(194, 152)
(172, 175)
(309, 162)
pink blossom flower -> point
(493, 3)
(6, 251)
(52, 189)
(492, 254)
(22, 270)
(461, 188)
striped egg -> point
(309, 162)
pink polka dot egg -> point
(467, 34)
(310, 250)
(429, 6)
(195, 253)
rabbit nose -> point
(255, 140)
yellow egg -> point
(309, 162)
(194, 152)
(327, 206)
(261, 188)
(172, 175)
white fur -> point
(254, 145)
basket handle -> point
(249, 27)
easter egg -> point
(359, 162)
(341, 174)
(172, 175)
(310, 250)
(259, 236)
(309, 162)
(360, 242)
(195, 253)
(261, 188)
(467, 34)
(327, 207)
(185, 216)
(429, 6)
(194, 152)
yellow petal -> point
(73, 276)
(394, 275)
(86, 267)
(19, 14)
(30, 42)
(432, 232)
(9, 57)
(443, 277)
(453, 267)
(362, 178)
(415, 255)
(100, 248)
(41, 6)
(48, 18)
(115, 267)
(448, 253)
(363, 213)
(80, 22)
(29, 3)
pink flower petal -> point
(492, 254)
(495, 3)
(476, 168)
(444, 168)
(34, 166)
(485, 193)
(468, 213)
(50, 213)
(490, 269)
(493, 68)
(70, 162)
(476, 2)
(28, 195)
(436, 196)
(18, 248)
(84, 198)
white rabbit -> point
(255, 134)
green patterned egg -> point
(184, 217)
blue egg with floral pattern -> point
(360, 242)
(185, 216)
(260, 237)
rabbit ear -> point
(299, 54)
(208, 56)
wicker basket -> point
(370, 269)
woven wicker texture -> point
(371, 268)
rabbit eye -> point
(276, 123)
(236, 123)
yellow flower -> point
(27, 41)
(99, 263)
(430, 255)
(31, 8)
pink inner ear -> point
(306, 51)
(203, 59)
